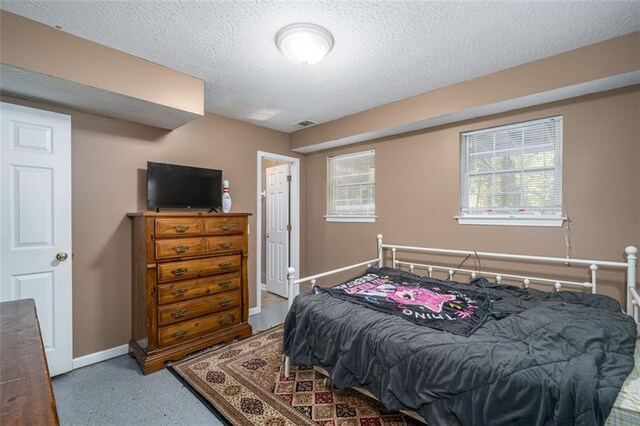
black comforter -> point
(553, 358)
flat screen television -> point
(173, 186)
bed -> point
(559, 357)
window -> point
(512, 175)
(351, 187)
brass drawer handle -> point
(225, 265)
(225, 283)
(180, 334)
(181, 228)
(181, 248)
(225, 227)
(179, 292)
(224, 302)
(226, 320)
(179, 271)
(179, 313)
(226, 245)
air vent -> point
(304, 123)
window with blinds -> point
(351, 185)
(513, 171)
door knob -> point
(62, 256)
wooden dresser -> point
(189, 284)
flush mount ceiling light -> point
(304, 43)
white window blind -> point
(513, 170)
(351, 184)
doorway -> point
(277, 227)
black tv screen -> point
(173, 186)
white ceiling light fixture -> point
(304, 43)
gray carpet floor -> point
(115, 392)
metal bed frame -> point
(633, 298)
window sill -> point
(350, 218)
(506, 220)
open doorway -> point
(278, 227)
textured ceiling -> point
(384, 50)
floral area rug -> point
(243, 384)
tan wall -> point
(605, 59)
(417, 191)
(36, 47)
(109, 179)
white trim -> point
(518, 125)
(353, 155)
(540, 98)
(96, 357)
(505, 220)
(350, 218)
(295, 217)
(263, 287)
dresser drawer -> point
(180, 247)
(185, 269)
(224, 225)
(190, 289)
(188, 330)
(224, 243)
(182, 311)
(178, 227)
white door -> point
(35, 216)
(278, 259)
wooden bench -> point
(26, 395)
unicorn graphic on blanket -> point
(402, 295)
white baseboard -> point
(254, 311)
(93, 358)
(263, 287)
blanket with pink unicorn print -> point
(423, 301)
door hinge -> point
(289, 227)
(289, 178)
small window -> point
(512, 175)
(351, 187)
